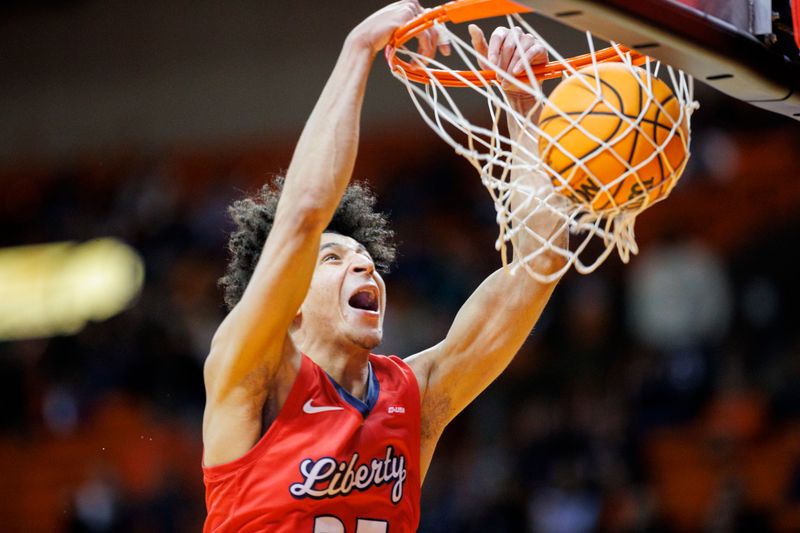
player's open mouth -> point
(365, 299)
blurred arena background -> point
(659, 396)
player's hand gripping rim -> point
(510, 50)
(376, 30)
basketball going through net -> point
(612, 137)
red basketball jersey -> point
(324, 467)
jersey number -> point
(331, 524)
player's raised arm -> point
(252, 356)
(491, 326)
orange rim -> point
(459, 11)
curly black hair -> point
(253, 216)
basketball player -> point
(305, 430)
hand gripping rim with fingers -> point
(460, 11)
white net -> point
(592, 194)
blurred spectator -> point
(97, 505)
(679, 298)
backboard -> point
(739, 47)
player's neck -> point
(348, 370)
(347, 365)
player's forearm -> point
(526, 107)
(479, 346)
(323, 160)
(252, 337)
(532, 189)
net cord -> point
(496, 156)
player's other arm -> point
(491, 326)
(251, 353)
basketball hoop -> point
(598, 199)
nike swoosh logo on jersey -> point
(311, 409)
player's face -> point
(347, 296)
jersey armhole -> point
(231, 467)
(407, 371)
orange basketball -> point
(628, 171)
